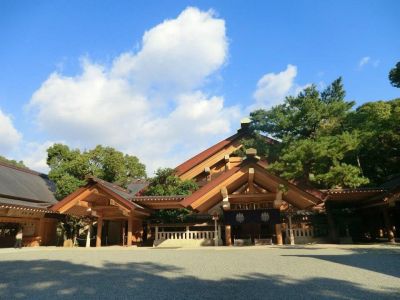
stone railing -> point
(184, 235)
(301, 235)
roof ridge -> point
(200, 157)
(99, 180)
(22, 169)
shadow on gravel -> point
(49, 279)
(385, 261)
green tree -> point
(12, 162)
(378, 127)
(70, 167)
(314, 146)
(394, 75)
(166, 183)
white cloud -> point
(272, 88)
(147, 103)
(376, 63)
(177, 54)
(9, 136)
(34, 155)
(367, 60)
(363, 61)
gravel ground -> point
(309, 272)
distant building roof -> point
(137, 186)
(22, 186)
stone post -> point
(291, 236)
(88, 235)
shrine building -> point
(25, 198)
(239, 202)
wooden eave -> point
(210, 194)
(160, 202)
(354, 196)
(72, 201)
(209, 157)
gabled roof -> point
(197, 159)
(113, 190)
(210, 194)
(136, 186)
(23, 185)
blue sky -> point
(164, 103)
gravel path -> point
(311, 272)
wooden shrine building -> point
(238, 202)
(25, 198)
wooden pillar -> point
(228, 239)
(137, 231)
(130, 223)
(123, 233)
(99, 230)
(332, 226)
(389, 229)
(278, 232)
(41, 231)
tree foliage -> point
(70, 167)
(315, 146)
(394, 75)
(13, 162)
(166, 183)
(378, 127)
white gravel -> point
(309, 272)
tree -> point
(12, 162)
(315, 148)
(70, 167)
(166, 183)
(394, 75)
(378, 127)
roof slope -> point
(197, 159)
(25, 185)
(210, 192)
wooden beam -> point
(227, 162)
(251, 181)
(224, 192)
(105, 207)
(115, 203)
(83, 203)
(211, 161)
(125, 213)
(242, 189)
(97, 192)
(269, 196)
(75, 201)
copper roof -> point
(22, 184)
(26, 208)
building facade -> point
(25, 198)
(239, 202)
